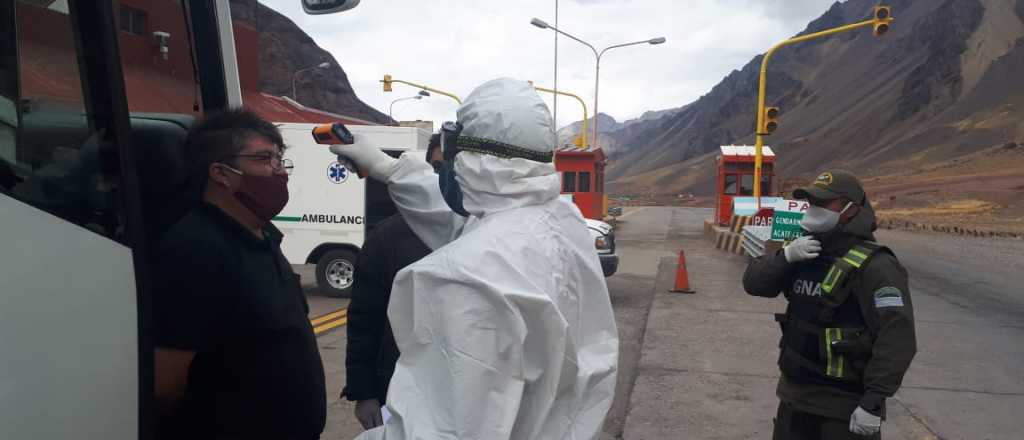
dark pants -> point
(791, 424)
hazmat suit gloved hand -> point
(864, 423)
(368, 413)
(369, 160)
(801, 249)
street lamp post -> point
(422, 94)
(295, 75)
(597, 55)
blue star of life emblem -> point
(337, 173)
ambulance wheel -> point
(335, 272)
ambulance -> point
(330, 210)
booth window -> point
(730, 184)
(746, 184)
(584, 182)
(569, 182)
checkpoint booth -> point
(736, 177)
(582, 171)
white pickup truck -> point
(604, 241)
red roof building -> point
(154, 82)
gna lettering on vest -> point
(805, 287)
(336, 219)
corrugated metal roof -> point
(575, 149)
(284, 109)
(745, 150)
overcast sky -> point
(455, 45)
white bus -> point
(87, 184)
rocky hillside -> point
(945, 82)
(284, 49)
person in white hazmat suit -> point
(506, 330)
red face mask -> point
(265, 196)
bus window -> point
(156, 57)
(50, 156)
(569, 182)
(584, 182)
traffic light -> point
(883, 19)
(770, 122)
(387, 83)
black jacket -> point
(372, 353)
(881, 291)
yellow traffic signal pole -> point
(759, 136)
(585, 115)
(387, 87)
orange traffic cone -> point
(682, 279)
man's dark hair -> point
(433, 144)
(221, 135)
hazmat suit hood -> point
(506, 111)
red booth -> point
(736, 177)
(583, 177)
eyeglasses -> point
(277, 162)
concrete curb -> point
(906, 225)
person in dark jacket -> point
(848, 331)
(372, 352)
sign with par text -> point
(763, 218)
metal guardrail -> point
(754, 238)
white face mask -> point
(819, 220)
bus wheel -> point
(335, 272)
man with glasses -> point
(848, 331)
(236, 356)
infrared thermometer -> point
(337, 134)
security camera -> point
(161, 40)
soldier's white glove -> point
(864, 423)
(371, 161)
(803, 248)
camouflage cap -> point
(831, 185)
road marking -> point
(328, 317)
(330, 325)
(632, 212)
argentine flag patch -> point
(888, 297)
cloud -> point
(455, 45)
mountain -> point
(610, 129)
(605, 124)
(943, 83)
(285, 49)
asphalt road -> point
(707, 368)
